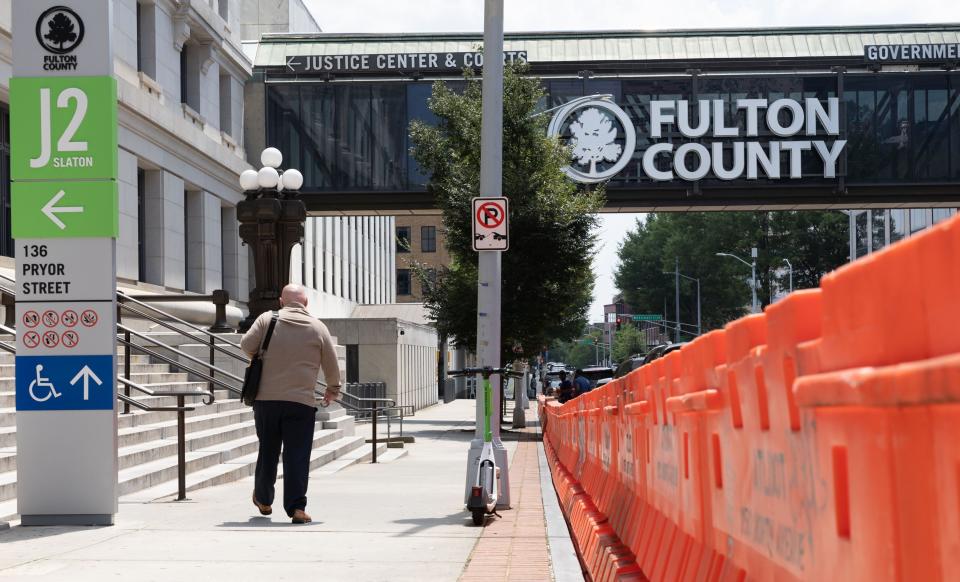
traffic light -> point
(619, 322)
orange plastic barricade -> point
(819, 440)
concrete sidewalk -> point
(402, 520)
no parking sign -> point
(491, 224)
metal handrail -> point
(127, 302)
(126, 298)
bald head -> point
(293, 293)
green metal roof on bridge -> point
(546, 47)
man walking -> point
(285, 409)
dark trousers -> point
(290, 425)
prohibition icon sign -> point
(31, 319)
(490, 215)
(31, 339)
(89, 318)
(70, 338)
(69, 318)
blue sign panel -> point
(65, 382)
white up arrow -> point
(51, 209)
(87, 374)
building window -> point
(6, 236)
(941, 214)
(184, 84)
(403, 239)
(898, 225)
(139, 37)
(223, 9)
(189, 77)
(428, 239)
(141, 223)
(403, 281)
(353, 363)
(919, 219)
(226, 103)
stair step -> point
(359, 454)
(239, 468)
(392, 455)
(168, 428)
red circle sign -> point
(31, 339)
(69, 318)
(31, 319)
(51, 318)
(490, 215)
(69, 338)
(89, 318)
(51, 339)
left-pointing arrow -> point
(51, 209)
(86, 374)
(292, 62)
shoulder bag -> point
(251, 378)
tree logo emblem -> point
(593, 135)
(59, 30)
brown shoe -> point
(264, 509)
(300, 516)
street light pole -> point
(753, 274)
(676, 297)
(790, 267)
(489, 262)
(271, 222)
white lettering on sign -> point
(65, 143)
(902, 53)
(784, 118)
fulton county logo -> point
(59, 31)
(754, 138)
(594, 125)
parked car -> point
(628, 365)
(597, 373)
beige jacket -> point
(300, 346)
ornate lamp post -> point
(271, 222)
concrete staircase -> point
(221, 439)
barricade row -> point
(819, 440)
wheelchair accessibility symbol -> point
(42, 383)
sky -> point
(560, 15)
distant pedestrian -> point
(581, 383)
(566, 388)
(285, 408)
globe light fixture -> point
(292, 179)
(268, 177)
(271, 158)
(249, 180)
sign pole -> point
(489, 268)
(63, 111)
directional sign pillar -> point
(63, 111)
(489, 268)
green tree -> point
(814, 242)
(629, 340)
(547, 279)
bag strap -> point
(266, 338)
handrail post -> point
(213, 343)
(126, 370)
(220, 299)
(181, 450)
(373, 405)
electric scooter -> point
(486, 490)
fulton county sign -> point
(794, 131)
